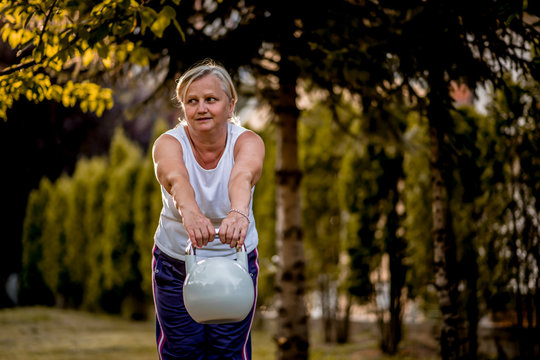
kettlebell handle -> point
(190, 247)
(241, 253)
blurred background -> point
(401, 183)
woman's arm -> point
(172, 173)
(249, 157)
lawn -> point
(53, 334)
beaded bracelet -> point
(240, 212)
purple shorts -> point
(178, 336)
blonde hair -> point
(199, 70)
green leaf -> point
(163, 20)
(83, 33)
(140, 56)
(37, 54)
(148, 16)
(168, 11)
(122, 28)
(102, 49)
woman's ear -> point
(231, 109)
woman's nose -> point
(202, 107)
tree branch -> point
(17, 67)
(47, 18)
(23, 52)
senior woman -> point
(207, 167)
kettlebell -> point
(218, 290)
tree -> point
(373, 202)
(508, 226)
(455, 39)
(53, 241)
(417, 48)
(95, 171)
(147, 205)
(33, 287)
(321, 147)
(120, 259)
(78, 39)
(293, 339)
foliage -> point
(33, 286)
(119, 264)
(147, 205)
(94, 171)
(86, 250)
(61, 45)
(362, 249)
(52, 264)
(417, 201)
(509, 226)
(352, 207)
(321, 147)
(264, 210)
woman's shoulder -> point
(235, 128)
(249, 140)
(172, 136)
(177, 131)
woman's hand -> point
(199, 228)
(234, 228)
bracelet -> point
(240, 212)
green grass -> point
(53, 334)
(45, 333)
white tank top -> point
(212, 196)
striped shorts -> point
(178, 336)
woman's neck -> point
(207, 148)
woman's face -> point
(206, 104)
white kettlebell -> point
(218, 290)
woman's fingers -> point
(200, 231)
(233, 230)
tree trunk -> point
(343, 323)
(471, 277)
(292, 331)
(444, 244)
(396, 246)
(327, 309)
(537, 302)
(397, 282)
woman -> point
(207, 167)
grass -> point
(45, 333)
(53, 334)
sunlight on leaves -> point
(58, 40)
